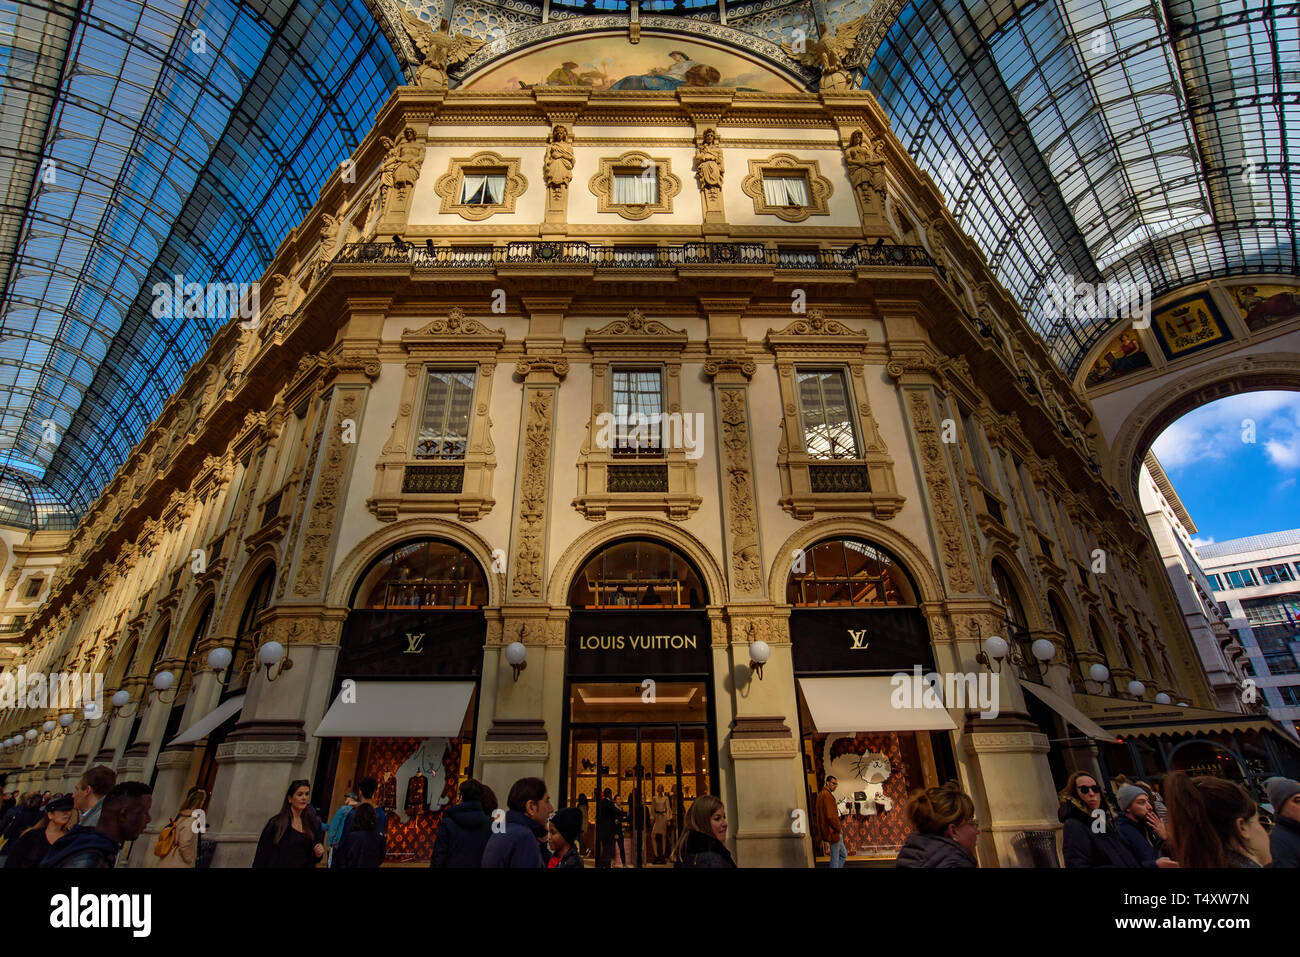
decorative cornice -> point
(635, 326)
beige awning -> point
(866, 704)
(210, 722)
(398, 709)
(1211, 727)
(1068, 711)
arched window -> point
(1017, 623)
(187, 671)
(420, 575)
(1071, 655)
(638, 574)
(1099, 640)
(245, 637)
(846, 571)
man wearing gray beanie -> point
(1140, 827)
(1284, 842)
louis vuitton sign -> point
(638, 644)
(859, 640)
(412, 644)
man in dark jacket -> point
(123, 815)
(1140, 827)
(463, 831)
(520, 845)
(608, 831)
(1284, 841)
(1089, 832)
(24, 815)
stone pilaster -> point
(745, 564)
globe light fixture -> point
(219, 659)
(1137, 688)
(759, 653)
(994, 652)
(1163, 698)
(1099, 672)
(516, 653)
(271, 655)
(1043, 649)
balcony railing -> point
(539, 253)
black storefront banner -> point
(859, 639)
(404, 644)
(638, 643)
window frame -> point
(800, 370)
(657, 453)
(430, 370)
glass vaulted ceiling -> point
(1121, 140)
(132, 148)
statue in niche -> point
(558, 171)
(708, 169)
(439, 48)
(866, 167)
(400, 171)
(330, 228)
(830, 53)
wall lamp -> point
(163, 682)
(759, 653)
(121, 701)
(271, 655)
(995, 651)
(516, 655)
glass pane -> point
(828, 430)
(444, 427)
(638, 404)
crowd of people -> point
(1180, 821)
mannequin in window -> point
(659, 828)
(651, 597)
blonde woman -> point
(186, 849)
(703, 835)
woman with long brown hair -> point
(294, 837)
(30, 847)
(945, 829)
(703, 834)
(1214, 823)
(185, 851)
(1089, 836)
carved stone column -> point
(745, 564)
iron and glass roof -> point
(1111, 139)
(1121, 141)
(142, 141)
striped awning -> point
(1187, 727)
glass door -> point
(638, 777)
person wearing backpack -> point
(178, 841)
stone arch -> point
(658, 529)
(229, 614)
(922, 571)
(348, 572)
(1025, 589)
(1193, 388)
(152, 649)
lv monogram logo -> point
(414, 644)
(858, 636)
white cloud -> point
(1198, 542)
(1219, 429)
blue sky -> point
(1233, 486)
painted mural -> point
(1262, 305)
(611, 62)
(1122, 355)
(1188, 325)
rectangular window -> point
(1215, 583)
(34, 587)
(824, 407)
(482, 188)
(1290, 696)
(444, 424)
(785, 190)
(1272, 574)
(637, 188)
(1242, 578)
(638, 404)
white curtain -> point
(785, 190)
(633, 188)
(483, 189)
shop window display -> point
(877, 771)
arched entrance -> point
(639, 723)
(406, 689)
(855, 623)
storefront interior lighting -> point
(516, 652)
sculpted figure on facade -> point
(708, 169)
(400, 170)
(831, 54)
(558, 172)
(438, 47)
(866, 168)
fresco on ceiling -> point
(611, 62)
(1188, 325)
(1262, 304)
(1122, 355)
